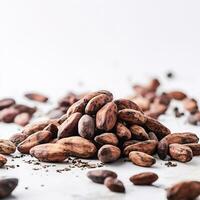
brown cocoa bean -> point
(177, 95)
(142, 102)
(130, 142)
(8, 115)
(156, 110)
(123, 132)
(86, 127)
(114, 185)
(96, 103)
(36, 97)
(162, 149)
(107, 138)
(155, 126)
(106, 117)
(108, 153)
(187, 190)
(18, 138)
(70, 126)
(125, 103)
(53, 128)
(195, 147)
(7, 147)
(22, 119)
(3, 160)
(5, 103)
(141, 159)
(49, 152)
(194, 119)
(7, 185)
(98, 176)
(35, 139)
(180, 152)
(132, 116)
(78, 146)
(148, 147)
(21, 108)
(138, 133)
(145, 178)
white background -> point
(57, 46)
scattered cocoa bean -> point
(36, 97)
(7, 185)
(114, 185)
(145, 178)
(7, 147)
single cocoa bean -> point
(145, 178)
(7, 102)
(177, 95)
(53, 128)
(138, 133)
(190, 105)
(78, 146)
(8, 115)
(141, 159)
(22, 119)
(106, 117)
(148, 147)
(18, 138)
(114, 185)
(195, 147)
(132, 116)
(70, 126)
(108, 153)
(98, 176)
(36, 97)
(187, 190)
(86, 127)
(3, 160)
(49, 152)
(7, 147)
(180, 152)
(107, 138)
(123, 132)
(7, 185)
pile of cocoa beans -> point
(98, 126)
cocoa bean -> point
(70, 126)
(7, 147)
(18, 138)
(86, 127)
(145, 178)
(152, 136)
(106, 117)
(107, 138)
(130, 142)
(114, 185)
(108, 153)
(138, 133)
(7, 102)
(7, 185)
(49, 152)
(195, 148)
(190, 105)
(8, 115)
(36, 97)
(132, 116)
(98, 176)
(141, 159)
(123, 132)
(22, 119)
(177, 95)
(187, 190)
(180, 152)
(78, 146)
(148, 147)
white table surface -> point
(59, 46)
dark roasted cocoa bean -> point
(108, 153)
(98, 176)
(145, 178)
(86, 127)
(70, 126)
(114, 185)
